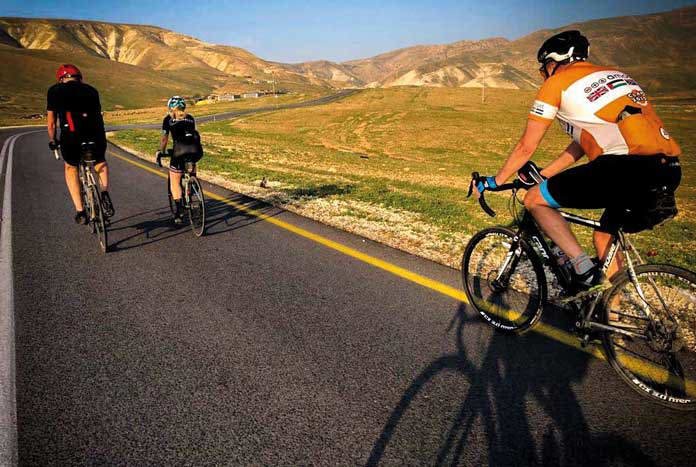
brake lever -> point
(474, 179)
(482, 200)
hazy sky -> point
(294, 31)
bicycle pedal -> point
(585, 340)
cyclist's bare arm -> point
(51, 124)
(523, 151)
(570, 156)
(163, 142)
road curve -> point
(239, 113)
(256, 345)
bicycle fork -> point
(512, 258)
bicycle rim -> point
(196, 206)
(510, 305)
(662, 365)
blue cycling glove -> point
(486, 183)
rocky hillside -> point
(135, 65)
(659, 49)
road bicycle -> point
(91, 192)
(645, 318)
(194, 200)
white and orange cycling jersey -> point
(603, 110)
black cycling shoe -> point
(587, 284)
(81, 217)
(178, 216)
(107, 205)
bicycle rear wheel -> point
(504, 280)
(99, 221)
(661, 363)
(196, 206)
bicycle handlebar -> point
(160, 155)
(475, 177)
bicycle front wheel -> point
(169, 196)
(504, 280)
(196, 206)
(658, 359)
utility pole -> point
(483, 88)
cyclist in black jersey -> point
(182, 127)
(74, 106)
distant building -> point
(229, 97)
(251, 95)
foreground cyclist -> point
(608, 116)
(182, 127)
(74, 106)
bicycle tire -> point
(195, 206)
(622, 306)
(169, 195)
(99, 221)
(495, 308)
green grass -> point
(412, 149)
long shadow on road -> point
(156, 224)
(492, 424)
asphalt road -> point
(256, 345)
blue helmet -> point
(177, 102)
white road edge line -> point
(8, 403)
(8, 396)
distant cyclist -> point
(633, 159)
(74, 106)
(186, 147)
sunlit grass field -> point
(409, 152)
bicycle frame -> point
(88, 180)
(529, 231)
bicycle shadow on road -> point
(518, 407)
(156, 225)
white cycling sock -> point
(582, 263)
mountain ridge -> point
(157, 61)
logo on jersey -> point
(638, 97)
(617, 83)
(597, 94)
(664, 133)
(543, 110)
(603, 85)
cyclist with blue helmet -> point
(182, 127)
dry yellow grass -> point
(410, 151)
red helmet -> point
(68, 71)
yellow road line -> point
(546, 330)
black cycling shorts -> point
(614, 182)
(178, 164)
(71, 152)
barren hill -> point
(138, 65)
(659, 49)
